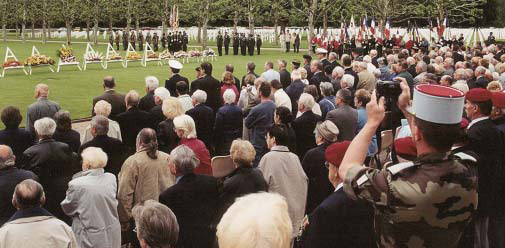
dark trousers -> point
(251, 51)
(141, 47)
(288, 46)
(235, 50)
(220, 50)
(296, 48)
(313, 48)
(258, 48)
(226, 48)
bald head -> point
(7, 157)
(41, 90)
(28, 194)
(108, 82)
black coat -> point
(131, 122)
(203, 117)
(320, 186)
(18, 139)
(317, 79)
(349, 71)
(167, 138)
(170, 83)
(9, 178)
(212, 87)
(294, 91)
(304, 129)
(340, 222)
(55, 164)
(146, 103)
(285, 78)
(481, 82)
(228, 127)
(116, 100)
(69, 137)
(114, 149)
(157, 115)
(194, 201)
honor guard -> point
(118, 39)
(236, 41)
(185, 41)
(296, 44)
(111, 39)
(243, 45)
(219, 40)
(258, 43)
(133, 39)
(163, 41)
(125, 40)
(149, 39)
(250, 44)
(141, 41)
(226, 43)
(156, 41)
(169, 43)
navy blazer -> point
(9, 178)
(171, 83)
(114, 149)
(304, 127)
(203, 116)
(18, 139)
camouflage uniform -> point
(426, 203)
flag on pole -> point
(363, 25)
(352, 26)
(439, 28)
(372, 27)
(387, 30)
(444, 25)
(342, 30)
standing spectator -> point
(313, 164)
(480, 78)
(239, 225)
(53, 162)
(228, 84)
(327, 103)
(347, 63)
(156, 225)
(32, 226)
(193, 199)
(143, 176)
(229, 68)
(284, 174)
(247, 89)
(316, 67)
(336, 77)
(10, 176)
(386, 73)
(305, 125)
(115, 99)
(182, 95)
(270, 74)
(311, 90)
(283, 116)
(203, 116)
(19, 139)
(228, 125)
(280, 96)
(43, 107)
(361, 99)
(344, 116)
(307, 59)
(211, 87)
(87, 190)
(147, 102)
(184, 126)
(171, 84)
(64, 132)
(403, 73)
(167, 138)
(160, 95)
(295, 89)
(285, 77)
(132, 121)
(250, 71)
(367, 79)
(421, 69)
(103, 108)
(260, 117)
(113, 147)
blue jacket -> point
(362, 119)
(260, 117)
(327, 104)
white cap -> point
(321, 50)
(175, 64)
(438, 104)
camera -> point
(390, 90)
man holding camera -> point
(427, 202)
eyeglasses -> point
(135, 230)
(327, 165)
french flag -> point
(342, 31)
(387, 30)
(372, 27)
(364, 25)
(352, 25)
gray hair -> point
(102, 107)
(481, 70)
(460, 74)
(199, 96)
(95, 157)
(152, 82)
(422, 65)
(229, 96)
(132, 98)
(339, 71)
(156, 224)
(307, 100)
(162, 93)
(348, 79)
(9, 159)
(296, 75)
(411, 61)
(45, 126)
(332, 55)
(184, 159)
(186, 124)
(367, 59)
(101, 124)
(326, 88)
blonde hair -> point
(494, 86)
(102, 108)
(172, 108)
(242, 152)
(256, 220)
(303, 72)
(95, 157)
(227, 76)
(187, 125)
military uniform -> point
(235, 44)
(133, 39)
(125, 40)
(243, 45)
(259, 42)
(156, 41)
(297, 44)
(164, 41)
(141, 41)
(250, 45)
(111, 39)
(118, 39)
(185, 41)
(219, 44)
(149, 39)
(169, 43)
(226, 43)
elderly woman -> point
(361, 99)
(245, 179)
(103, 108)
(313, 164)
(327, 103)
(167, 137)
(93, 227)
(64, 132)
(184, 126)
(228, 125)
(156, 225)
(228, 83)
(282, 115)
(193, 199)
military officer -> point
(133, 39)
(219, 39)
(175, 42)
(169, 43)
(243, 45)
(111, 38)
(491, 39)
(118, 39)
(125, 40)
(258, 43)
(426, 202)
(235, 43)
(163, 41)
(141, 41)
(296, 44)
(226, 42)
(149, 38)
(185, 41)
(156, 40)
(250, 44)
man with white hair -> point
(103, 108)
(91, 188)
(160, 94)
(344, 116)
(239, 226)
(53, 162)
(203, 116)
(421, 69)
(43, 107)
(305, 124)
(369, 66)
(295, 89)
(480, 78)
(347, 82)
(448, 67)
(336, 77)
(327, 102)
(147, 102)
(332, 58)
(367, 80)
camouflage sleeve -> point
(368, 184)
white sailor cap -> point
(321, 51)
(438, 104)
(175, 64)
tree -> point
(68, 9)
(459, 11)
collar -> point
(178, 178)
(93, 172)
(279, 149)
(183, 96)
(42, 98)
(477, 120)
(109, 90)
(46, 140)
(432, 157)
(339, 186)
(29, 212)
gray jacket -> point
(43, 107)
(346, 119)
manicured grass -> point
(75, 89)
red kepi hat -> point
(336, 151)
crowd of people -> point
(290, 156)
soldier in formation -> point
(141, 41)
(164, 41)
(243, 45)
(149, 38)
(125, 40)
(111, 39)
(118, 39)
(236, 41)
(133, 40)
(259, 42)
(250, 44)
(219, 43)
(226, 42)
(185, 41)
(156, 40)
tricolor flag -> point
(342, 30)
(352, 25)
(372, 27)
(444, 25)
(387, 30)
(364, 25)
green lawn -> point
(74, 89)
